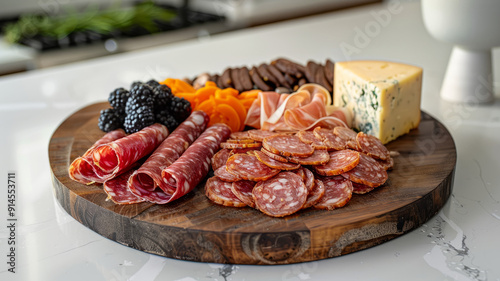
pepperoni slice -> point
(281, 195)
(309, 138)
(219, 192)
(372, 146)
(224, 175)
(243, 190)
(359, 188)
(274, 155)
(318, 157)
(338, 191)
(315, 194)
(248, 167)
(348, 135)
(332, 141)
(367, 172)
(231, 145)
(220, 158)
(287, 145)
(275, 164)
(340, 162)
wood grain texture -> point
(192, 228)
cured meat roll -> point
(117, 189)
(82, 169)
(185, 174)
(147, 181)
(119, 155)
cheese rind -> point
(384, 97)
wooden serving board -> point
(192, 228)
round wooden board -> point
(192, 228)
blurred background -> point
(43, 33)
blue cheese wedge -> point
(383, 97)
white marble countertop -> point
(459, 243)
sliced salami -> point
(275, 164)
(219, 192)
(248, 167)
(241, 141)
(308, 179)
(287, 145)
(318, 157)
(224, 175)
(340, 162)
(82, 169)
(274, 155)
(239, 135)
(348, 135)
(147, 182)
(387, 164)
(332, 141)
(232, 145)
(194, 164)
(359, 188)
(338, 192)
(367, 172)
(117, 189)
(281, 195)
(220, 158)
(119, 155)
(243, 190)
(242, 150)
(309, 138)
(260, 135)
(372, 146)
(315, 194)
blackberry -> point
(118, 100)
(166, 119)
(153, 83)
(139, 100)
(141, 90)
(162, 98)
(138, 119)
(180, 108)
(109, 120)
(135, 83)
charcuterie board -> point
(193, 228)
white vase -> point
(473, 27)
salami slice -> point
(243, 150)
(220, 158)
(359, 188)
(309, 138)
(119, 155)
(219, 192)
(231, 145)
(224, 175)
(260, 135)
(248, 167)
(117, 189)
(338, 192)
(240, 135)
(340, 162)
(82, 169)
(147, 182)
(372, 146)
(348, 135)
(194, 164)
(241, 141)
(318, 157)
(275, 164)
(315, 194)
(387, 164)
(243, 190)
(308, 179)
(287, 145)
(332, 141)
(367, 172)
(274, 155)
(281, 195)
